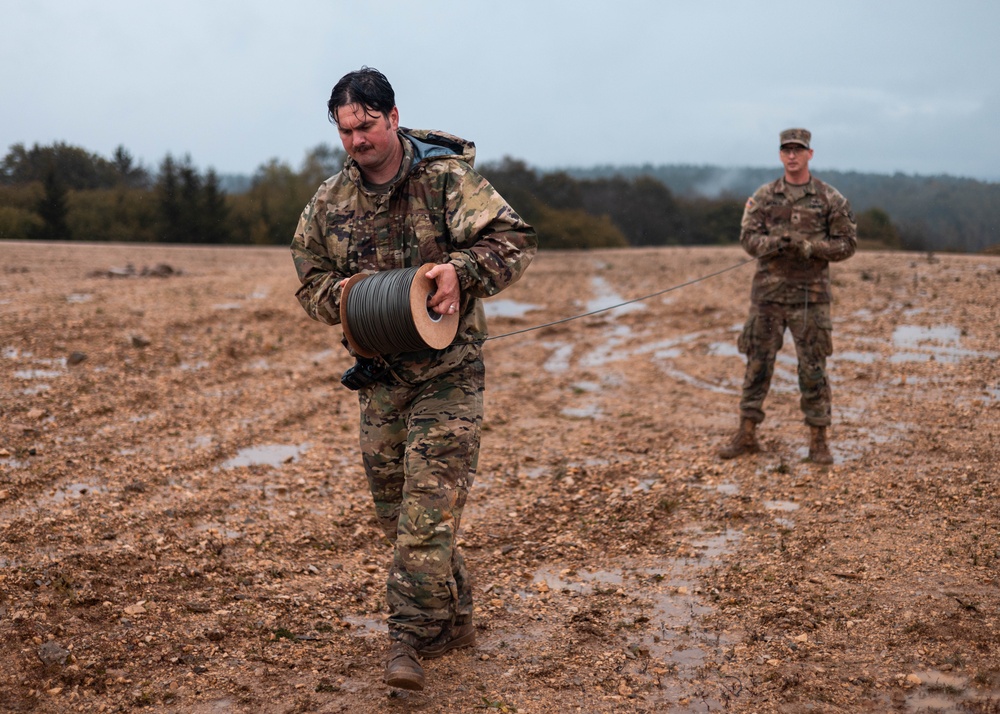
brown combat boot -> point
(402, 669)
(743, 442)
(819, 452)
(452, 637)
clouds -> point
(885, 87)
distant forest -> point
(64, 192)
(930, 212)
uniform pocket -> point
(823, 327)
(745, 341)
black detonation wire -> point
(621, 304)
(378, 312)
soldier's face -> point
(369, 139)
(795, 159)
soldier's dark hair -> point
(367, 87)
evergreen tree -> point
(215, 211)
(167, 188)
(53, 209)
(191, 217)
(129, 173)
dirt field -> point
(184, 524)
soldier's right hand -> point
(783, 244)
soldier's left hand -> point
(446, 298)
(803, 247)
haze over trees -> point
(64, 192)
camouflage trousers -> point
(420, 447)
(761, 340)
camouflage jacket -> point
(815, 212)
(437, 210)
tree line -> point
(929, 212)
(64, 192)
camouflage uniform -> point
(420, 428)
(792, 291)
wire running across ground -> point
(618, 305)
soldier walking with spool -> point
(795, 226)
(398, 248)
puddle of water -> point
(605, 297)
(860, 357)
(585, 582)
(609, 351)
(901, 357)
(200, 442)
(724, 349)
(73, 492)
(36, 373)
(714, 546)
(672, 353)
(593, 411)
(265, 455)
(36, 389)
(79, 297)
(365, 626)
(913, 335)
(587, 386)
(193, 366)
(507, 308)
(700, 384)
(729, 489)
(672, 608)
(942, 680)
(218, 529)
(943, 693)
(227, 306)
(786, 506)
(558, 362)
(940, 343)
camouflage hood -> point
(437, 144)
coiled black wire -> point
(379, 316)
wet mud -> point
(184, 523)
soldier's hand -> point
(803, 247)
(446, 298)
(782, 243)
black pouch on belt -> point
(364, 372)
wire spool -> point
(387, 313)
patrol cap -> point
(796, 136)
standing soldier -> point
(406, 198)
(794, 226)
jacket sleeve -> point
(492, 245)
(319, 293)
(841, 238)
(754, 236)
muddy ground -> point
(184, 524)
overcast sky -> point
(884, 85)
